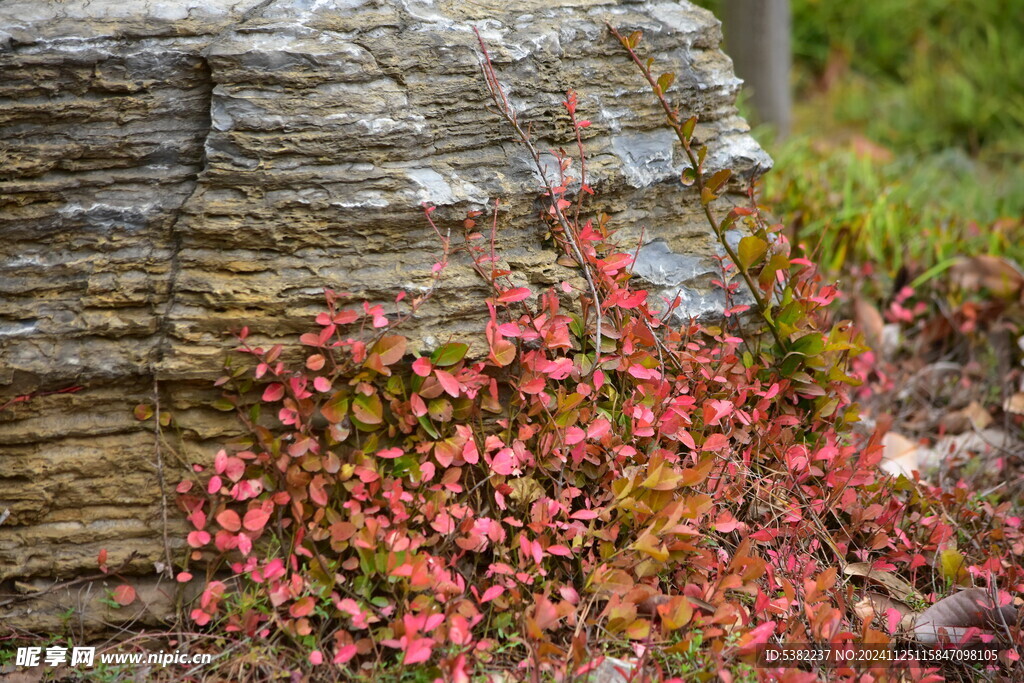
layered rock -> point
(172, 170)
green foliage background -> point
(925, 75)
(908, 145)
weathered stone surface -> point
(173, 169)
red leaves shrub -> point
(596, 479)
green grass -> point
(935, 87)
(918, 211)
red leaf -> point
(757, 636)
(422, 366)
(716, 442)
(318, 491)
(418, 651)
(273, 392)
(302, 607)
(503, 352)
(255, 519)
(124, 595)
(390, 453)
(228, 519)
(391, 348)
(513, 295)
(197, 539)
(419, 408)
(491, 593)
(345, 654)
(503, 462)
(448, 382)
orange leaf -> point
(124, 595)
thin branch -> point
(508, 113)
(161, 479)
(672, 116)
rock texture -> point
(172, 169)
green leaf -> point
(427, 426)
(449, 354)
(223, 405)
(665, 81)
(718, 180)
(776, 263)
(809, 345)
(368, 409)
(750, 251)
(688, 126)
(707, 196)
(634, 39)
(689, 177)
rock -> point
(177, 168)
(611, 670)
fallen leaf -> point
(979, 417)
(864, 610)
(897, 586)
(985, 272)
(899, 455)
(882, 604)
(974, 416)
(1015, 404)
(869, 321)
(951, 617)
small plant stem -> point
(161, 478)
(676, 125)
(505, 110)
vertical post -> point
(757, 37)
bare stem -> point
(506, 111)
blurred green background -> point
(907, 146)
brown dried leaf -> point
(897, 586)
(649, 605)
(1015, 404)
(899, 455)
(880, 604)
(951, 617)
(525, 490)
(869, 321)
(864, 610)
(986, 272)
(974, 416)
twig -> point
(161, 479)
(672, 115)
(505, 110)
(11, 599)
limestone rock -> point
(176, 168)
